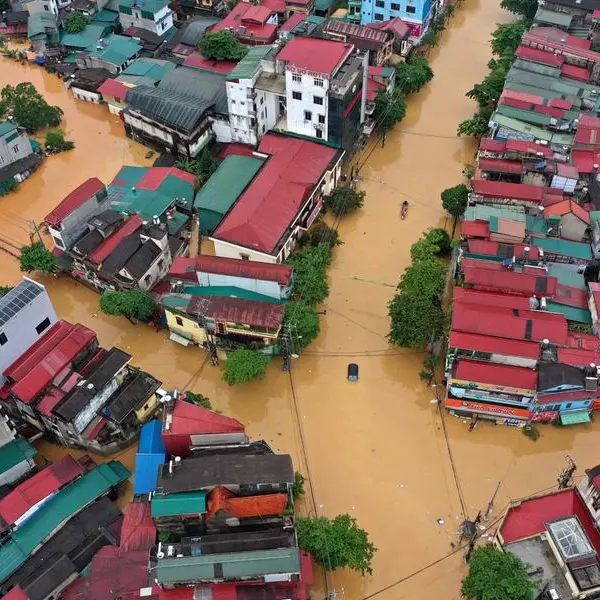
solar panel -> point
(19, 297)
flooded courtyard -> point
(375, 449)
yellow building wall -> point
(188, 329)
(150, 406)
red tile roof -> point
(552, 37)
(529, 518)
(277, 6)
(494, 345)
(475, 229)
(31, 385)
(515, 191)
(37, 488)
(187, 418)
(495, 374)
(575, 72)
(245, 507)
(138, 532)
(565, 207)
(223, 309)
(74, 200)
(490, 248)
(495, 165)
(509, 282)
(114, 88)
(397, 26)
(540, 56)
(107, 247)
(195, 59)
(274, 198)
(294, 19)
(282, 274)
(249, 21)
(322, 57)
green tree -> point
(201, 167)
(423, 249)
(37, 258)
(198, 399)
(4, 289)
(441, 238)
(298, 487)
(455, 199)
(413, 74)
(525, 8)
(507, 37)
(336, 543)
(496, 575)
(28, 107)
(321, 233)
(55, 141)
(4, 5)
(76, 22)
(488, 92)
(344, 200)
(415, 311)
(310, 273)
(137, 303)
(221, 45)
(431, 38)
(389, 109)
(244, 365)
(303, 323)
(478, 125)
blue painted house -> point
(416, 13)
(151, 454)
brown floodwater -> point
(376, 448)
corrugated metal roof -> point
(571, 313)
(523, 284)
(14, 453)
(476, 229)
(189, 419)
(315, 55)
(238, 565)
(151, 454)
(205, 87)
(75, 199)
(502, 189)
(565, 248)
(496, 374)
(494, 345)
(245, 507)
(86, 39)
(249, 66)
(540, 56)
(68, 502)
(184, 503)
(501, 166)
(117, 49)
(228, 291)
(138, 532)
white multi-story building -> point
(153, 15)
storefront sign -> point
(487, 408)
(469, 385)
(545, 417)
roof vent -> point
(90, 386)
(133, 188)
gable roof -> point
(266, 505)
(249, 21)
(273, 200)
(74, 200)
(138, 532)
(14, 453)
(189, 419)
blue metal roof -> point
(151, 454)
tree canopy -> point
(136, 303)
(455, 200)
(244, 365)
(478, 125)
(435, 242)
(303, 322)
(25, 105)
(37, 258)
(336, 543)
(198, 399)
(201, 167)
(413, 74)
(310, 273)
(320, 233)
(525, 8)
(76, 22)
(507, 37)
(389, 109)
(496, 575)
(4, 5)
(344, 200)
(56, 142)
(221, 45)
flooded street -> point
(376, 449)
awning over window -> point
(574, 418)
(179, 339)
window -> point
(318, 82)
(233, 102)
(319, 133)
(244, 256)
(395, 6)
(297, 78)
(1, 160)
(379, 3)
(46, 7)
(411, 10)
(262, 100)
(322, 119)
(570, 538)
(307, 115)
(296, 95)
(378, 17)
(15, 148)
(43, 325)
(179, 321)
(147, 280)
(58, 242)
(161, 263)
(318, 100)
(3, 339)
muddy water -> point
(375, 449)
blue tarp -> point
(151, 454)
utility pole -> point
(565, 478)
(488, 510)
(35, 229)
(471, 526)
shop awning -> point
(179, 339)
(574, 418)
(553, 18)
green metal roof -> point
(152, 6)
(117, 49)
(223, 189)
(42, 25)
(528, 116)
(539, 69)
(106, 16)
(249, 66)
(554, 18)
(178, 302)
(520, 127)
(7, 127)
(564, 247)
(228, 291)
(63, 506)
(149, 68)
(571, 313)
(238, 565)
(204, 86)
(482, 212)
(194, 30)
(185, 503)
(575, 418)
(536, 224)
(324, 5)
(86, 39)
(15, 452)
(565, 275)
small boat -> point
(404, 211)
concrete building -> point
(26, 312)
(153, 15)
(325, 90)
(18, 159)
(16, 460)
(418, 14)
(113, 53)
(250, 23)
